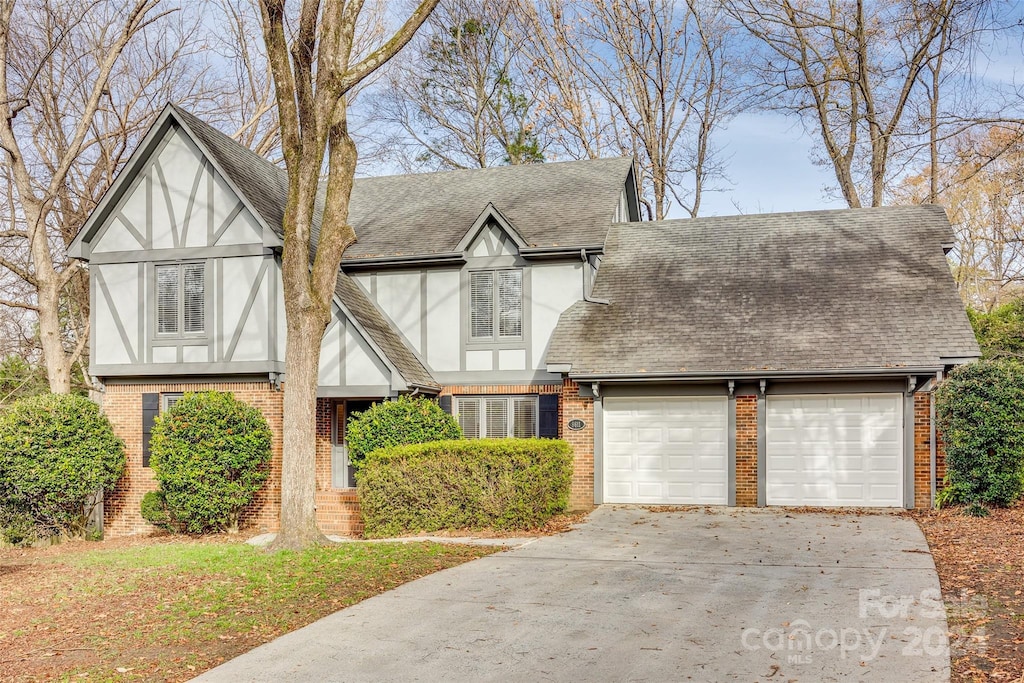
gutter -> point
(753, 374)
(555, 252)
(402, 261)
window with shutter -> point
(524, 417)
(481, 302)
(497, 417)
(469, 417)
(167, 299)
(496, 304)
(181, 299)
(510, 303)
(195, 297)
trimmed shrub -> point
(211, 454)
(154, 510)
(409, 420)
(56, 451)
(17, 528)
(466, 484)
(981, 415)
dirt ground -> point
(980, 561)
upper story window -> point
(496, 304)
(181, 299)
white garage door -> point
(666, 450)
(835, 450)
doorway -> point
(342, 472)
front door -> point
(342, 472)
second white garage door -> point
(666, 450)
(840, 450)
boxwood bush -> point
(56, 451)
(465, 484)
(981, 416)
(210, 453)
(409, 420)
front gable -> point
(491, 235)
(177, 200)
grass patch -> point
(169, 610)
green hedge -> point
(408, 420)
(980, 410)
(211, 454)
(466, 484)
(56, 451)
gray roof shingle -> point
(567, 204)
(828, 290)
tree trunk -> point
(58, 365)
(298, 467)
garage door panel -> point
(676, 447)
(834, 450)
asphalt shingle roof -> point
(829, 290)
(383, 334)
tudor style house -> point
(782, 359)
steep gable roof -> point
(356, 304)
(821, 290)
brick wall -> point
(572, 406)
(746, 451)
(122, 403)
(922, 452)
(337, 510)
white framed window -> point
(181, 299)
(167, 401)
(495, 304)
(496, 417)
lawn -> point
(167, 609)
(980, 561)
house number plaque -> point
(576, 425)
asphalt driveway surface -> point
(708, 595)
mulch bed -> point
(980, 561)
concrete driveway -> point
(707, 595)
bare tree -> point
(651, 78)
(982, 189)
(55, 80)
(852, 70)
(460, 100)
(315, 66)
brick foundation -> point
(746, 451)
(337, 510)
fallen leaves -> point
(980, 561)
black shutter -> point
(547, 409)
(446, 403)
(150, 409)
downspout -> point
(586, 288)
(933, 433)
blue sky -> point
(768, 161)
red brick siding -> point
(922, 452)
(746, 451)
(122, 403)
(337, 510)
(572, 406)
